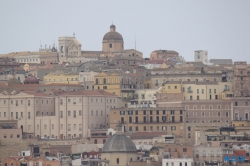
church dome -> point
(31, 80)
(112, 36)
(119, 143)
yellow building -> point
(199, 90)
(110, 82)
(242, 123)
(172, 87)
(62, 78)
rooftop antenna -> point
(74, 34)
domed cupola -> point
(119, 142)
(112, 41)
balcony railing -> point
(190, 91)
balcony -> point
(226, 90)
(190, 91)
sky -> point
(220, 27)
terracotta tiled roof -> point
(26, 87)
(240, 152)
(2, 84)
(18, 69)
(36, 93)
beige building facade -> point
(67, 115)
(166, 119)
(33, 57)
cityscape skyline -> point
(186, 27)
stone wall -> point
(13, 147)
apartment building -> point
(204, 154)
(241, 79)
(66, 115)
(9, 130)
(119, 83)
(199, 90)
(143, 98)
(159, 77)
(168, 119)
(62, 78)
(26, 160)
(241, 108)
(87, 79)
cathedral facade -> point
(70, 49)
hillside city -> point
(63, 105)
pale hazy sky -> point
(220, 26)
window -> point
(117, 161)
(214, 91)
(80, 127)
(28, 102)
(74, 114)
(61, 101)
(52, 127)
(197, 91)
(198, 97)
(45, 127)
(28, 115)
(173, 127)
(172, 112)
(69, 113)
(202, 91)
(61, 114)
(80, 112)
(184, 149)
(110, 45)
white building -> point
(201, 56)
(143, 98)
(178, 162)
